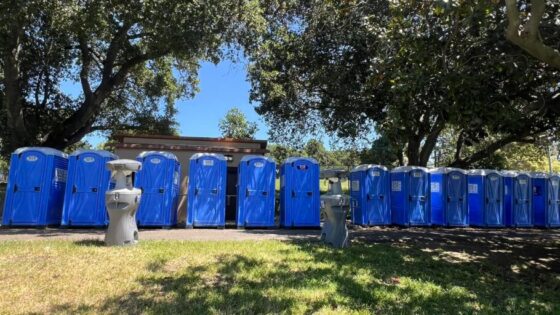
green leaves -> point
(236, 126)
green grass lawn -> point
(257, 277)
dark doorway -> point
(231, 195)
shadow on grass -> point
(90, 242)
(392, 277)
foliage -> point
(383, 152)
(410, 69)
(131, 59)
(313, 148)
(236, 126)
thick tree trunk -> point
(13, 100)
(529, 40)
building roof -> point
(262, 143)
(191, 148)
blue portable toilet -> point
(159, 181)
(206, 206)
(518, 199)
(299, 193)
(485, 198)
(256, 191)
(448, 195)
(539, 181)
(369, 193)
(88, 180)
(410, 197)
(552, 209)
(36, 184)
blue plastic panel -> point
(159, 181)
(256, 192)
(370, 196)
(88, 180)
(456, 199)
(494, 210)
(539, 202)
(553, 202)
(36, 184)
(207, 191)
(476, 199)
(522, 209)
(299, 193)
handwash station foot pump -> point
(122, 203)
(335, 206)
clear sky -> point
(222, 87)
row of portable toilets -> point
(453, 197)
(45, 187)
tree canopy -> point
(131, 61)
(236, 126)
(406, 69)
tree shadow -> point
(405, 271)
(90, 242)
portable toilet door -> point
(256, 191)
(88, 180)
(476, 197)
(522, 209)
(508, 196)
(448, 187)
(494, 194)
(457, 213)
(539, 183)
(159, 181)
(36, 184)
(438, 192)
(299, 193)
(207, 190)
(410, 196)
(418, 189)
(369, 193)
(553, 202)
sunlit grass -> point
(256, 277)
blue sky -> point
(222, 87)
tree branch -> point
(529, 39)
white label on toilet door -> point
(89, 159)
(60, 175)
(207, 162)
(434, 187)
(473, 189)
(396, 185)
(355, 185)
(375, 173)
(259, 164)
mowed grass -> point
(257, 277)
